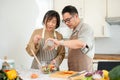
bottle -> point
(5, 65)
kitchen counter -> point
(25, 75)
(105, 57)
(59, 75)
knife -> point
(78, 73)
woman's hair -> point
(49, 15)
(70, 9)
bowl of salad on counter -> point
(46, 67)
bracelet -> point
(62, 42)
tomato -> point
(33, 76)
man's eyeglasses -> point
(67, 20)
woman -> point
(51, 21)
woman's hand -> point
(36, 39)
(53, 62)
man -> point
(81, 43)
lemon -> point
(105, 74)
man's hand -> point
(55, 41)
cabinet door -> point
(113, 8)
(58, 5)
(95, 12)
(92, 11)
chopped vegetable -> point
(12, 74)
(3, 75)
(33, 76)
(48, 68)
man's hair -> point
(70, 9)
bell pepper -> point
(12, 74)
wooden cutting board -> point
(62, 74)
(79, 77)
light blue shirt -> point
(86, 34)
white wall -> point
(18, 19)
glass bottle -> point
(5, 65)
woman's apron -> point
(77, 60)
(44, 55)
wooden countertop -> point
(105, 57)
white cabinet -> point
(92, 11)
(113, 8)
(113, 12)
(95, 13)
(58, 5)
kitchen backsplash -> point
(110, 45)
